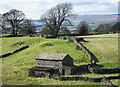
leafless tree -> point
(14, 18)
(4, 27)
(54, 18)
(27, 28)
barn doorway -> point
(63, 71)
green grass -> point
(15, 67)
(115, 81)
(105, 48)
(98, 75)
(102, 35)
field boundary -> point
(92, 58)
(106, 80)
(103, 71)
(77, 41)
(18, 50)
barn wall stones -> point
(39, 73)
(47, 63)
(66, 70)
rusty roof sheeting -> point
(39, 68)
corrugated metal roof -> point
(51, 56)
(39, 68)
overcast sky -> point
(34, 8)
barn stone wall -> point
(66, 70)
(39, 73)
(52, 64)
(47, 63)
(56, 64)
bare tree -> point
(47, 32)
(14, 18)
(54, 18)
(82, 28)
(5, 28)
(27, 28)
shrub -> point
(46, 44)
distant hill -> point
(95, 20)
(92, 20)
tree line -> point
(107, 28)
(55, 20)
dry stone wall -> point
(8, 54)
(92, 58)
(80, 46)
(103, 71)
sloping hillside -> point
(15, 67)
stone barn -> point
(54, 63)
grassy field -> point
(15, 67)
(105, 48)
